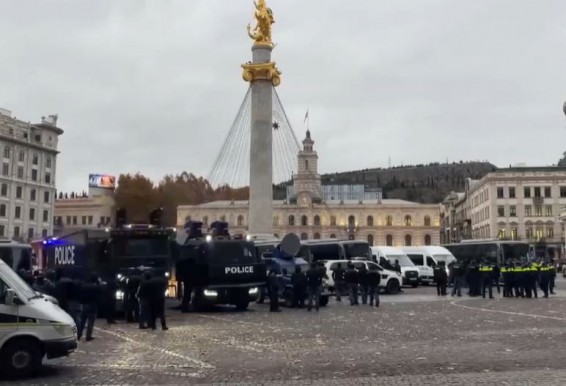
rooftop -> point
(244, 203)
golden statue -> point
(264, 19)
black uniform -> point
(474, 279)
(486, 272)
(131, 304)
(362, 280)
(299, 282)
(314, 286)
(545, 279)
(273, 286)
(338, 277)
(351, 279)
(441, 279)
(158, 285)
(551, 277)
(457, 274)
(373, 279)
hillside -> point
(429, 183)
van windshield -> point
(357, 250)
(404, 261)
(448, 259)
(16, 283)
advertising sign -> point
(101, 181)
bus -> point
(495, 251)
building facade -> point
(27, 180)
(521, 203)
(309, 215)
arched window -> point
(304, 236)
(332, 221)
(317, 220)
(427, 221)
(389, 240)
(351, 221)
(408, 221)
(205, 220)
(317, 236)
(370, 240)
(332, 236)
(427, 240)
(304, 221)
(389, 221)
(408, 240)
(276, 220)
(370, 221)
(291, 221)
(240, 221)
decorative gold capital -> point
(262, 71)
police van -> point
(18, 256)
(31, 327)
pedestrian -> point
(314, 286)
(158, 285)
(373, 279)
(486, 271)
(351, 279)
(131, 303)
(144, 299)
(88, 295)
(362, 280)
(338, 277)
(441, 278)
(457, 273)
(299, 283)
(273, 286)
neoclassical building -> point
(379, 221)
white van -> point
(391, 254)
(31, 327)
(428, 257)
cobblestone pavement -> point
(414, 338)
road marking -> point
(455, 303)
(198, 363)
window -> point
(35, 159)
(548, 210)
(34, 174)
(90, 218)
(538, 211)
(304, 221)
(549, 233)
(32, 214)
(20, 172)
(539, 233)
(83, 220)
(563, 191)
(19, 192)
(351, 221)
(370, 221)
(205, 220)
(291, 221)
(21, 156)
(408, 240)
(16, 231)
(316, 221)
(427, 221)
(6, 152)
(44, 233)
(511, 192)
(513, 233)
(30, 233)
(537, 191)
(528, 211)
(501, 211)
(18, 212)
(2, 230)
(275, 220)
(74, 220)
(502, 233)
(427, 240)
(304, 236)
(46, 197)
(529, 233)
(101, 221)
(306, 164)
(5, 169)
(47, 178)
(32, 194)
(547, 192)
(332, 236)
(240, 221)
(389, 240)
(389, 221)
(512, 211)
(4, 190)
(332, 221)
(500, 193)
(48, 162)
(37, 138)
(2, 210)
(408, 221)
(45, 216)
(527, 192)
(317, 236)
(68, 220)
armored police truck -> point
(217, 268)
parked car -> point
(390, 280)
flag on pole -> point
(306, 116)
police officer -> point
(441, 278)
(88, 297)
(545, 278)
(496, 275)
(338, 277)
(486, 271)
(457, 273)
(314, 285)
(273, 286)
(351, 279)
(299, 282)
(373, 278)
(551, 276)
(506, 272)
(131, 303)
(474, 279)
(362, 280)
(44, 286)
(144, 298)
(158, 285)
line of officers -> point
(520, 280)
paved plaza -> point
(414, 338)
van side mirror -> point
(12, 298)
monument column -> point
(263, 75)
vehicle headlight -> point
(119, 295)
(166, 293)
(63, 329)
(119, 276)
(166, 274)
(253, 291)
(210, 293)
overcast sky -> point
(153, 86)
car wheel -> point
(392, 287)
(21, 357)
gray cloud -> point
(416, 80)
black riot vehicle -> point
(217, 269)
